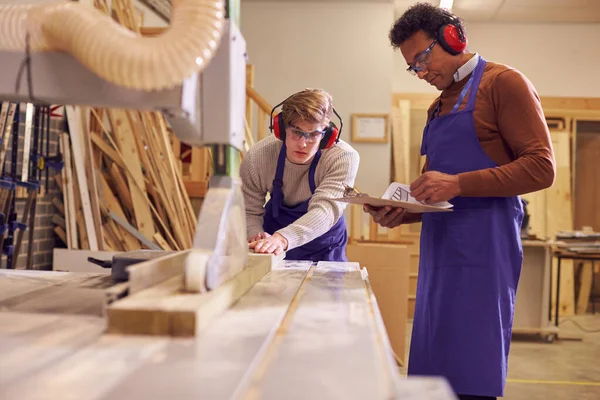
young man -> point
(303, 166)
(486, 142)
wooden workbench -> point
(303, 331)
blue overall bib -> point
(331, 246)
(469, 266)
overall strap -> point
(277, 194)
(478, 74)
(311, 172)
(463, 93)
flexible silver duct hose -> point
(112, 51)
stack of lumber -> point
(121, 183)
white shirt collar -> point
(466, 68)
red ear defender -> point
(332, 136)
(451, 37)
(332, 133)
(278, 127)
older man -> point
(486, 142)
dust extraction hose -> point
(112, 51)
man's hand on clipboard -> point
(435, 187)
(388, 217)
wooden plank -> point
(79, 218)
(234, 343)
(121, 189)
(129, 228)
(75, 128)
(124, 134)
(153, 272)
(160, 240)
(91, 171)
(304, 351)
(165, 175)
(107, 150)
(58, 220)
(59, 205)
(585, 288)
(571, 103)
(68, 196)
(166, 309)
(560, 218)
(49, 338)
(401, 140)
(60, 232)
(111, 202)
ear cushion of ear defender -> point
(451, 39)
(279, 127)
(331, 136)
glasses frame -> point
(297, 134)
(413, 69)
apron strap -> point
(311, 172)
(477, 73)
(277, 193)
(463, 93)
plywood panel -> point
(587, 176)
(387, 266)
(560, 217)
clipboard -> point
(395, 196)
(379, 202)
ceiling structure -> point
(524, 11)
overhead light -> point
(447, 4)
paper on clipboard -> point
(396, 195)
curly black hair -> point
(421, 17)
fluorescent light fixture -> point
(447, 4)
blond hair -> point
(310, 105)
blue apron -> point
(469, 267)
(331, 246)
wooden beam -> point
(166, 309)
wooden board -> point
(54, 293)
(315, 329)
(304, 350)
(49, 338)
(86, 374)
(379, 202)
(166, 309)
(560, 218)
(75, 128)
(233, 344)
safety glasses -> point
(422, 59)
(311, 137)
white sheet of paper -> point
(401, 192)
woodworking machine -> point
(194, 73)
(110, 67)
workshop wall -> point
(560, 59)
(340, 47)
